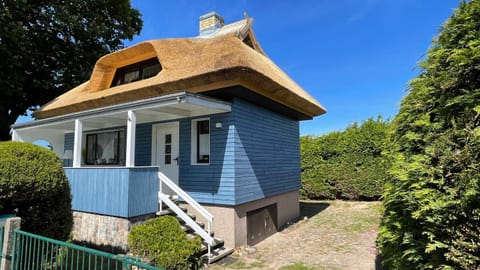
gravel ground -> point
(331, 235)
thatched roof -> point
(229, 57)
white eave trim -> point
(144, 104)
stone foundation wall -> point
(105, 232)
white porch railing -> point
(164, 198)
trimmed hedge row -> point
(33, 185)
(346, 165)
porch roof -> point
(164, 108)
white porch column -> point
(131, 126)
(16, 137)
(77, 144)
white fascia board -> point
(144, 104)
(208, 102)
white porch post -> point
(16, 137)
(77, 144)
(131, 126)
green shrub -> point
(346, 165)
(163, 240)
(432, 205)
(33, 184)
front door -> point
(165, 151)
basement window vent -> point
(136, 72)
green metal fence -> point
(31, 251)
(1, 241)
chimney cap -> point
(210, 22)
(210, 14)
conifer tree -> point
(432, 205)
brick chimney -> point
(210, 22)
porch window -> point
(106, 148)
(201, 141)
(136, 72)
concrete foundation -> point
(230, 222)
(106, 232)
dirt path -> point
(336, 235)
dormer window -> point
(136, 72)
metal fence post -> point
(11, 225)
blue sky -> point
(354, 56)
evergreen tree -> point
(432, 205)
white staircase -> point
(214, 248)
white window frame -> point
(193, 141)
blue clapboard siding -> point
(213, 183)
(143, 145)
(68, 141)
(68, 145)
(254, 155)
(267, 152)
(122, 192)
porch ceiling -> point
(175, 106)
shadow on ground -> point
(310, 209)
(378, 262)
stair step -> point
(218, 243)
(183, 208)
(193, 217)
(219, 254)
(201, 224)
(189, 229)
(172, 198)
(212, 234)
(168, 211)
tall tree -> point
(432, 207)
(48, 47)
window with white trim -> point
(201, 141)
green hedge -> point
(34, 186)
(163, 241)
(432, 204)
(346, 165)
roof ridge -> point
(226, 29)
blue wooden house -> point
(210, 119)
